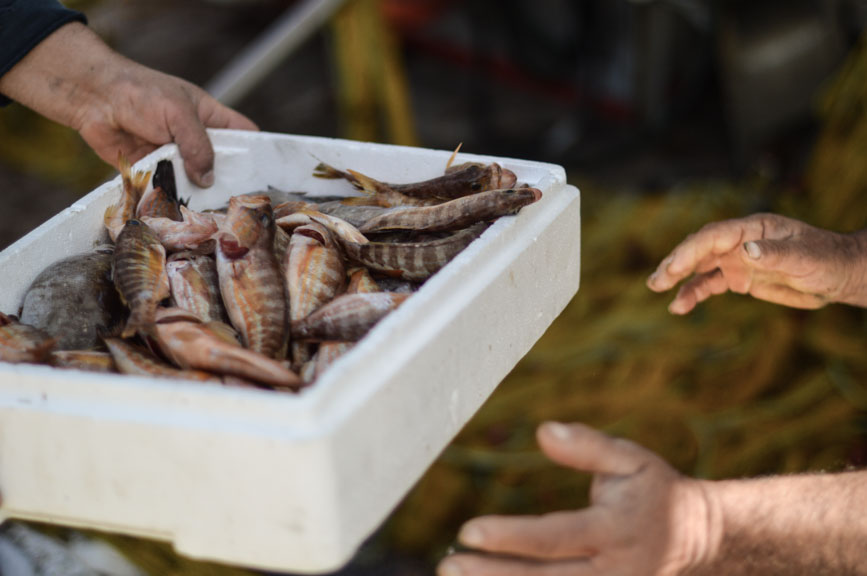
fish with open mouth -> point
(250, 282)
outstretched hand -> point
(770, 257)
(644, 518)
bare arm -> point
(74, 78)
(770, 257)
(646, 519)
(810, 524)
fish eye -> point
(475, 186)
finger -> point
(583, 448)
(188, 132)
(473, 565)
(787, 296)
(713, 239)
(697, 290)
(216, 115)
(554, 536)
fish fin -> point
(361, 201)
(365, 183)
(224, 332)
(137, 326)
(164, 177)
(329, 172)
(453, 156)
(123, 166)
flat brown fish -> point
(117, 215)
(73, 299)
(347, 318)
(455, 214)
(140, 275)
(195, 286)
(415, 261)
(22, 343)
(249, 274)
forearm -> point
(811, 524)
(856, 290)
(62, 76)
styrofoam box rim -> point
(328, 427)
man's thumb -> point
(767, 254)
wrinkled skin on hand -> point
(770, 257)
(118, 105)
(147, 109)
(644, 518)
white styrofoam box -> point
(265, 479)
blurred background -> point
(668, 114)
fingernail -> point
(676, 307)
(208, 179)
(667, 262)
(652, 278)
(753, 250)
(558, 430)
(449, 568)
(471, 536)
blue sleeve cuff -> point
(26, 23)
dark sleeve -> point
(26, 23)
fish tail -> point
(453, 156)
(329, 172)
(123, 166)
(164, 177)
(137, 325)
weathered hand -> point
(116, 104)
(644, 518)
(770, 257)
(144, 109)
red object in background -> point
(408, 19)
(408, 16)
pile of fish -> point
(267, 291)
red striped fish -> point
(249, 275)
(347, 318)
